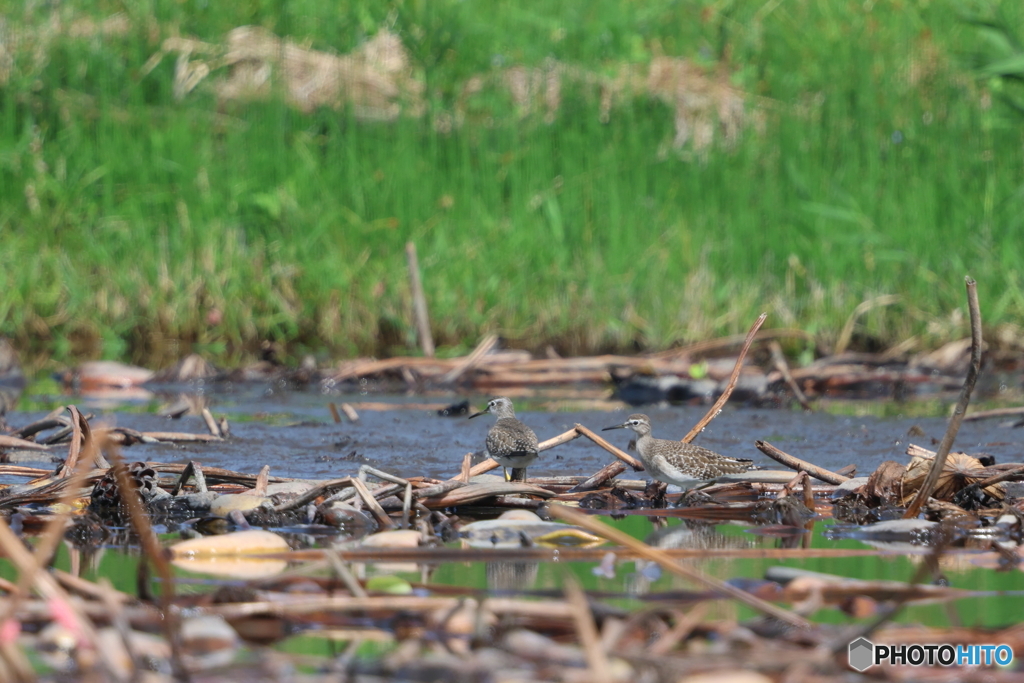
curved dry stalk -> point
(53, 532)
(961, 405)
(862, 308)
(471, 361)
(779, 358)
(57, 598)
(717, 408)
(152, 551)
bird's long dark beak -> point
(482, 412)
(621, 426)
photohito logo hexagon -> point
(862, 654)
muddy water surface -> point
(293, 432)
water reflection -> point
(689, 534)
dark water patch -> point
(293, 432)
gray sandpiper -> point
(675, 462)
(511, 443)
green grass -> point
(879, 165)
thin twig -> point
(717, 407)
(961, 406)
(783, 367)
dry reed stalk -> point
(152, 552)
(53, 532)
(438, 489)
(110, 598)
(731, 340)
(419, 301)
(334, 413)
(321, 489)
(618, 453)
(375, 509)
(80, 433)
(14, 666)
(22, 471)
(667, 562)
(362, 367)
(717, 407)
(350, 413)
(443, 554)
(71, 582)
(685, 623)
(381, 406)
(808, 492)
(471, 493)
(471, 361)
(564, 437)
(799, 465)
(598, 479)
(862, 308)
(56, 598)
(288, 605)
(1008, 475)
(782, 366)
(211, 424)
(586, 630)
(961, 405)
(14, 442)
(590, 363)
(262, 479)
(512, 378)
(182, 437)
(345, 574)
(997, 412)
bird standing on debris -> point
(675, 462)
(511, 443)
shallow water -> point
(293, 432)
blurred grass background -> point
(881, 155)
